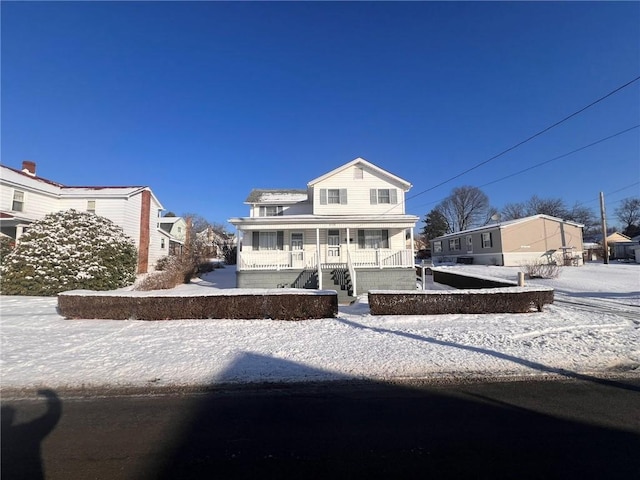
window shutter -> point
(393, 196)
(262, 212)
(280, 240)
(361, 239)
(343, 196)
(255, 241)
(373, 196)
(323, 196)
(385, 239)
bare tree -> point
(629, 215)
(585, 216)
(553, 207)
(513, 211)
(466, 207)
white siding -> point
(358, 194)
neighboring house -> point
(347, 231)
(214, 242)
(175, 229)
(513, 243)
(26, 198)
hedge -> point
(279, 304)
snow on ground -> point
(593, 328)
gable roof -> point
(64, 191)
(507, 224)
(364, 163)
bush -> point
(541, 269)
(69, 250)
(170, 272)
(7, 244)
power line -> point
(553, 159)
(561, 156)
(595, 102)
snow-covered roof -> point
(276, 196)
(170, 220)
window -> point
(486, 240)
(358, 173)
(454, 244)
(373, 239)
(296, 241)
(162, 243)
(383, 195)
(268, 240)
(271, 210)
(437, 247)
(91, 206)
(333, 196)
(18, 201)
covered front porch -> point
(302, 257)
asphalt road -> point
(518, 430)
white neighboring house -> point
(347, 231)
(25, 198)
(175, 230)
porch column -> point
(413, 252)
(238, 253)
(318, 254)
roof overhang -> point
(290, 222)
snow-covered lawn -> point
(593, 328)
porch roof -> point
(289, 222)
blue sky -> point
(204, 101)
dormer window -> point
(271, 210)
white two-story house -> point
(26, 197)
(347, 231)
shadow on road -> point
(21, 442)
(374, 430)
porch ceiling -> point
(323, 222)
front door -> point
(333, 246)
(297, 253)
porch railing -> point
(277, 260)
(281, 260)
(382, 258)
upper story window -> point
(454, 244)
(91, 206)
(18, 201)
(358, 173)
(333, 196)
(271, 210)
(437, 247)
(487, 240)
(383, 195)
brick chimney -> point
(29, 167)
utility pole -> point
(603, 215)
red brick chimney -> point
(29, 167)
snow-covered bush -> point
(69, 250)
(6, 246)
(541, 269)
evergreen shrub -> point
(69, 250)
